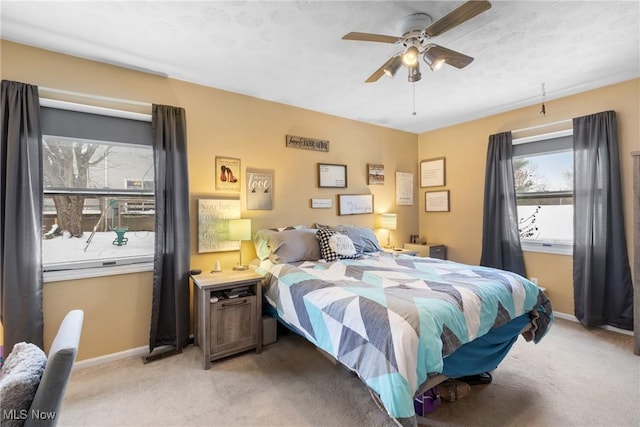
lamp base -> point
(240, 267)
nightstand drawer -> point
(439, 252)
(233, 324)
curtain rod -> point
(559, 122)
(97, 97)
(83, 108)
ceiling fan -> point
(417, 29)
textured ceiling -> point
(292, 52)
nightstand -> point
(400, 251)
(432, 250)
(227, 313)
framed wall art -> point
(332, 176)
(227, 174)
(432, 172)
(436, 201)
(259, 189)
(321, 203)
(355, 204)
(375, 174)
(213, 224)
(404, 188)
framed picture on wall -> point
(332, 176)
(432, 172)
(436, 201)
(213, 224)
(404, 188)
(259, 189)
(355, 204)
(375, 174)
(227, 173)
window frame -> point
(146, 262)
(545, 246)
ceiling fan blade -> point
(451, 57)
(457, 17)
(380, 71)
(368, 37)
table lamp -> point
(240, 229)
(388, 221)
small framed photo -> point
(432, 172)
(375, 174)
(436, 201)
(227, 174)
(332, 176)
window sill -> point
(59, 276)
(548, 248)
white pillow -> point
(342, 245)
(335, 246)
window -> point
(543, 174)
(98, 201)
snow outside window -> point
(98, 201)
(543, 173)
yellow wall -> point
(219, 123)
(465, 149)
(117, 311)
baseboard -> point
(95, 361)
(572, 318)
(133, 352)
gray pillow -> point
(262, 236)
(20, 378)
(364, 239)
(294, 245)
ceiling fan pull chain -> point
(543, 111)
(413, 85)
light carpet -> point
(574, 377)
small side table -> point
(400, 251)
(227, 313)
(432, 250)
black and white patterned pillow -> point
(335, 245)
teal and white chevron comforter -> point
(392, 319)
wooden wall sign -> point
(307, 143)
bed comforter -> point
(393, 319)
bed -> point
(401, 323)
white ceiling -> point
(292, 52)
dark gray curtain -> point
(603, 290)
(170, 306)
(500, 237)
(20, 215)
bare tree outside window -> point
(76, 175)
(526, 177)
(67, 166)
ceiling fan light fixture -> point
(437, 64)
(432, 61)
(410, 56)
(393, 66)
(414, 73)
